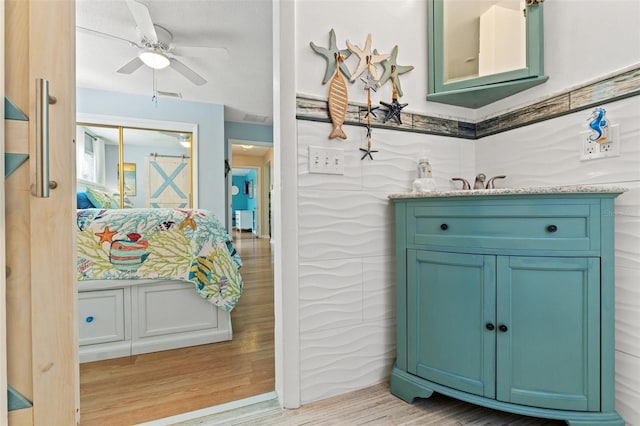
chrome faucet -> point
(479, 182)
(465, 184)
(490, 184)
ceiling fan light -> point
(154, 59)
(186, 144)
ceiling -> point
(239, 75)
(250, 150)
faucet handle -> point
(465, 184)
(490, 184)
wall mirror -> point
(481, 51)
(143, 168)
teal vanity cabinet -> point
(505, 299)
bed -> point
(151, 279)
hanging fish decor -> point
(338, 96)
(338, 101)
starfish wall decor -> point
(330, 55)
(394, 108)
(367, 62)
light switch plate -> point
(326, 160)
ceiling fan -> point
(155, 45)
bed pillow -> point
(102, 199)
(83, 201)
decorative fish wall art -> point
(338, 102)
(367, 62)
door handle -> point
(43, 100)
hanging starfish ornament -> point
(368, 87)
(330, 55)
(394, 108)
(369, 111)
(365, 58)
(391, 68)
(368, 151)
(370, 83)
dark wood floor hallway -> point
(135, 389)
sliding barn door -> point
(169, 181)
(42, 361)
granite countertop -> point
(565, 189)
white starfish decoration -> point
(366, 58)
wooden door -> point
(548, 336)
(451, 299)
(42, 360)
(169, 182)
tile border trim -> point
(612, 88)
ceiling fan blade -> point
(105, 35)
(143, 20)
(131, 66)
(190, 74)
(170, 94)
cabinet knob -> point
(552, 228)
(490, 326)
(503, 328)
(444, 226)
(89, 319)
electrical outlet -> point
(606, 147)
(326, 160)
(591, 150)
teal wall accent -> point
(251, 178)
(211, 130)
(239, 201)
(12, 112)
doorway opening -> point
(140, 388)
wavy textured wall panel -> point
(330, 294)
(394, 165)
(379, 287)
(627, 312)
(627, 223)
(345, 359)
(628, 388)
(344, 224)
(547, 153)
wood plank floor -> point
(377, 406)
(135, 389)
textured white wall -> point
(346, 270)
(345, 222)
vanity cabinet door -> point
(548, 332)
(450, 319)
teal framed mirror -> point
(481, 51)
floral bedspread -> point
(178, 244)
